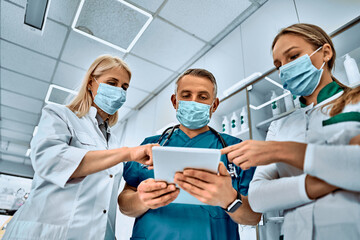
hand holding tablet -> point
(169, 160)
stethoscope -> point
(231, 167)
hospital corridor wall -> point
(246, 50)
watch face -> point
(234, 206)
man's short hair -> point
(198, 72)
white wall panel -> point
(165, 112)
(259, 30)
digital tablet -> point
(169, 160)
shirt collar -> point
(327, 92)
(92, 113)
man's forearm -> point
(130, 204)
(245, 215)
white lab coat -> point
(282, 187)
(57, 208)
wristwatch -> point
(235, 204)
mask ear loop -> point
(316, 51)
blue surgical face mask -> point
(109, 98)
(300, 76)
(193, 115)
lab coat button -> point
(104, 211)
(110, 175)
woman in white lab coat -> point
(78, 162)
(308, 166)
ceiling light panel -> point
(115, 23)
(59, 95)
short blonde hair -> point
(81, 104)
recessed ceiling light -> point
(115, 23)
(59, 95)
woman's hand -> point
(142, 154)
(252, 153)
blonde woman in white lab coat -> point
(307, 166)
(78, 162)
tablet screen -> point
(169, 160)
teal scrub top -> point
(185, 221)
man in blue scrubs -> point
(150, 201)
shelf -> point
(264, 125)
(239, 134)
(275, 219)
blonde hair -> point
(81, 104)
(317, 37)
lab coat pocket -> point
(84, 140)
(298, 223)
(343, 136)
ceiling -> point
(180, 32)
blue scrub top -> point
(185, 221)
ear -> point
(328, 52)
(215, 105)
(89, 84)
(173, 101)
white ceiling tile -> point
(68, 76)
(49, 43)
(18, 115)
(16, 135)
(25, 61)
(152, 5)
(82, 51)
(20, 102)
(186, 14)
(12, 158)
(23, 85)
(146, 76)
(17, 149)
(63, 10)
(16, 126)
(134, 97)
(18, 2)
(166, 45)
